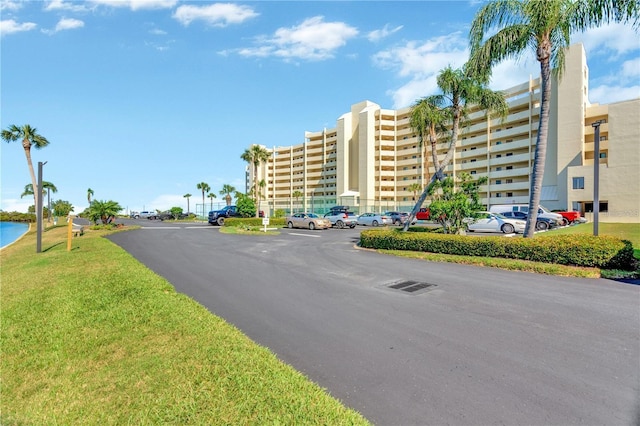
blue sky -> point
(143, 99)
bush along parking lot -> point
(576, 250)
(253, 221)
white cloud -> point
(377, 35)
(313, 39)
(17, 204)
(137, 4)
(62, 5)
(607, 94)
(10, 26)
(10, 5)
(631, 68)
(69, 24)
(512, 72)
(217, 15)
(157, 31)
(611, 39)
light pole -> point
(39, 209)
(596, 176)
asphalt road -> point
(480, 347)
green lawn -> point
(91, 336)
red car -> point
(423, 214)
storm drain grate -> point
(410, 286)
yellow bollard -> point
(69, 232)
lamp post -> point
(39, 209)
(596, 176)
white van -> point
(542, 211)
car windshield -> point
(313, 215)
(500, 216)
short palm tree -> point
(415, 188)
(461, 89)
(187, 196)
(105, 211)
(544, 27)
(30, 138)
(254, 156)
(227, 190)
(204, 187)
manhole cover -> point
(411, 286)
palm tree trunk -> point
(27, 152)
(541, 149)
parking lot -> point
(473, 346)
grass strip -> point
(91, 336)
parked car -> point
(307, 220)
(342, 219)
(542, 223)
(570, 217)
(168, 215)
(144, 215)
(398, 218)
(423, 214)
(542, 211)
(217, 217)
(374, 219)
(495, 222)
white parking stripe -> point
(160, 227)
(304, 235)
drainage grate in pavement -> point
(411, 287)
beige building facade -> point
(372, 161)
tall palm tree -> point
(204, 187)
(89, 195)
(30, 138)
(543, 26)
(461, 88)
(297, 194)
(187, 196)
(49, 187)
(227, 190)
(211, 196)
(254, 156)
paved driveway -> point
(481, 346)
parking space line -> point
(304, 235)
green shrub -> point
(279, 213)
(252, 221)
(578, 250)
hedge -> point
(253, 221)
(578, 250)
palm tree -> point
(460, 89)
(415, 188)
(89, 195)
(254, 156)
(105, 211)
(30, 137)
(297, 194)
(204, 187)
(211, 196)
(544, 26)
(187, 196)
(28, 190)
(227, 190)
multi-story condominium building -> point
(371, 158)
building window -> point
(509, 194)
(473, 172)
(603, 155)
(509, 154)
(499, 143)
(498, 195)
(473, 160)
(472, 148)
(498, 182)
(603, 138)
(509, 167)
(498, 169)
(499, 156)
(578, 183)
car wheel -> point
(374, 223)
(220, 221)
(565, 222)
(340, 224)
(507, 228)
(290, 225)
(542, 226)
(312, 226)
(352, 226)
(136, 217)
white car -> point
(374, 219)
(495, 222)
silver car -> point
(374, 219)
(495, 222)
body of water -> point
(11, 231)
